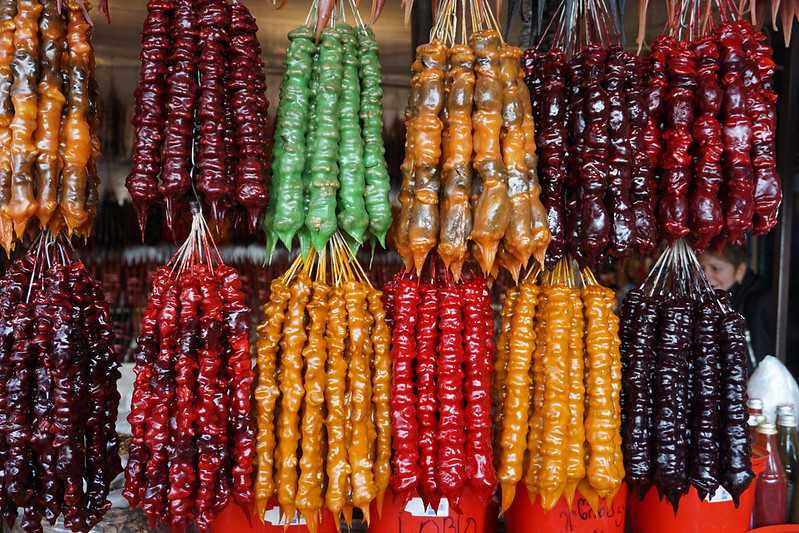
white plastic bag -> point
(774, 385)
(125, 388)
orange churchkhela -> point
(561, 379)
(324, 359)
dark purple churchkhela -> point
(736, 452)
(59, 449)
(671, 398)
(704, 463)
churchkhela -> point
(469, 177)
(679, 143)
(558, 373)
(443, 350)
(193, 446)
(328, 163)
(200, 120)
(323, 391)
(59, 449)
(48, 119)
(684, 383)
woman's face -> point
(721, 273)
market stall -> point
(320, 283)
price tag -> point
(415, 507)
(272, 516)
(721, 495)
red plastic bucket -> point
(694, 516)
(581, 518)
(233, 519)
(475, 517)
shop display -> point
(469, 177)
(684, 384)
(323, 348)
(193, 443)
(48, 119)
(442, 350)
(550, 163)
(328, 163)
(560, 377)
(201, 112)
(58, 399)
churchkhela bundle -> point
(48, 119)
(676, 144)
(557, 390)
(328, 163)
(469, 176)
(201, 112)
(684, 381)
(59, 450)
(324, 385)
(590, 109)
(725, 71)
(443, 350)
(193, 446)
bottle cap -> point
(754, 403)
(785, 409)
(767, 428)
(788, 421)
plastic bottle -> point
(771, 492)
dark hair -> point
(735, 255)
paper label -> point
(415, 507)
(272, 516)
(721, 495)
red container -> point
(397, 518)
(233, 519)
(694, 516)
(526, 516)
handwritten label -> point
(608, 518)
(415, 507)
(721, 495)
(447, 524)
(273, 517)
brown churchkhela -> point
(518, 238)
(51, 103)
(24, 97)
(469, 178)
(8, 9)
(539, 225)
(401, 240)
(77, 134)
(92, 174)
(456, 215)
(427, 133)
(492, 212)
